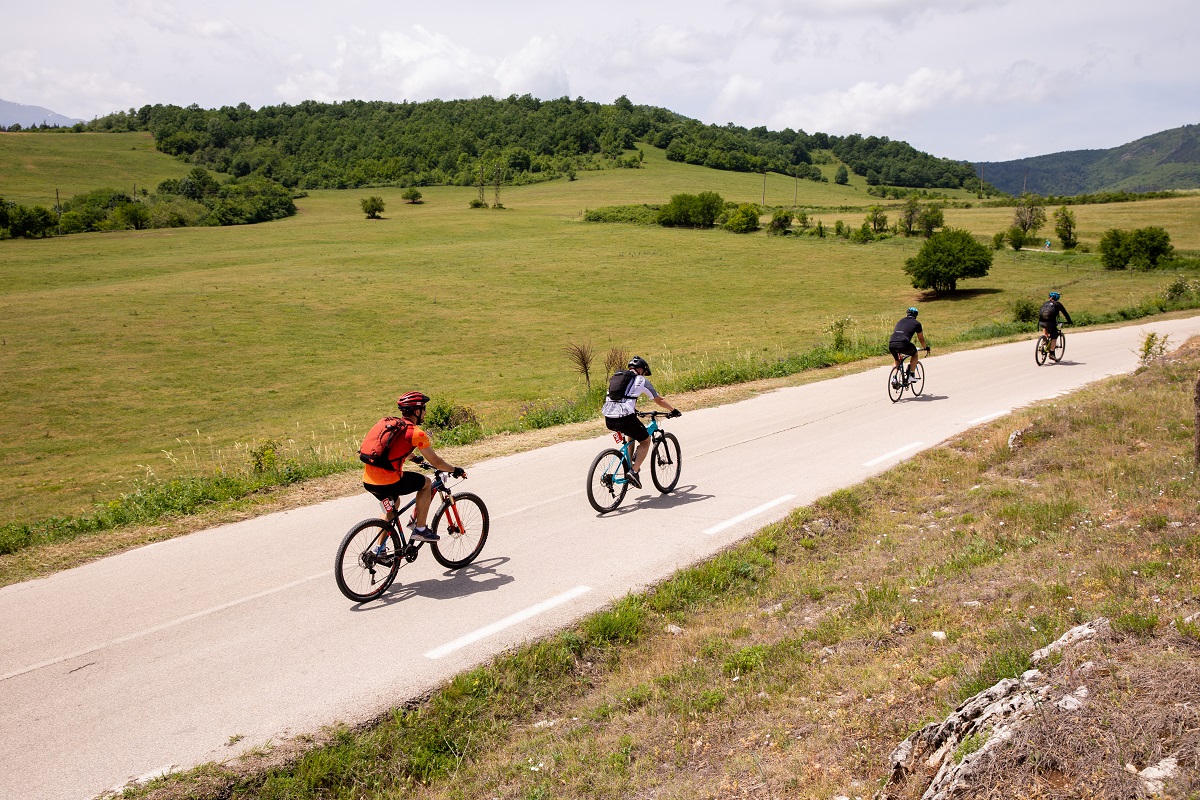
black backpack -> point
(1048, 311)
(618, 384)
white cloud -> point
(535, 69)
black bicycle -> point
(608, 479)
(898, 379)
(373, 551)
(1045, 349)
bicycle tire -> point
(666, 462)
(458, 546)
(603, 492)
(358, 578)
(1040, 353)
(916, 384)
(1060, 347)
(895, 385)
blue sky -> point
(965, 79)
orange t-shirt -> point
(411, 438)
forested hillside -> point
(357, 143)
(1166, 160)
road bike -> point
(1044, 350)
(608, 478)
(898, 379)
(373, 551)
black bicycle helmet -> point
(637, 362)
(912, 312)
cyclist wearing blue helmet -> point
(901, 342)
(1048, 316)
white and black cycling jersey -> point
(622, 408)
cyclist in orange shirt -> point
(387, 485)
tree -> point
(1114, 249)
(910, 213)
(1064, 227)
(949, 256)
(691, 210)
(1030, 214)
(930, 218)
(1142, 248)
(411, 194)
(372, 206)
(843, 175)
(877, 219)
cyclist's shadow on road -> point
(924, 398)
(679, 496)
(480, 576)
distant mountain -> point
(31, 116)
(1167, 160)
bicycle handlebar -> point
(656, 414)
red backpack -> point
(378, 442)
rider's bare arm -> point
(437, 461)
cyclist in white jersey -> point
(620, 413)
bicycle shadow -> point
(481, 576)
(679, 496)
(924, 398)
(1068, 363)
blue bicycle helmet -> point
(1055, 295)
(912, 312)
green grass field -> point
(34, 165)
(170, 351)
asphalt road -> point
(200, 647)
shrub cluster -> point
(1142, 248)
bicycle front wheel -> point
(896, 384)
(367, 560)
(665, 463)
(1039, 355)
(606, 484)
(462, 525)
(1060, 347)
(917, 382)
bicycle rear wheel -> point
(1039, 355)
(462, 526)
(367, 560)
(917, 382)
(1060, 347)
(666, 461)
(606, 484)
(895, 384)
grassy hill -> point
(34, 166)
(1166, 160)
(150, 354)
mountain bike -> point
(608, 480)
(898, 380)
(1045, 350)
(373, 551)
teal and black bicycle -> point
(608, 479)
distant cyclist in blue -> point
(901, 342)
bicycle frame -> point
(626, 456)
(439, 488)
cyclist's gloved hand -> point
(675, 412)
(927, 349)
(458, 472)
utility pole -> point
(764, 202)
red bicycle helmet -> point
(412, 400)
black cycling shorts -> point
(629, 425)
(1051, 328)
(906, 349)
(409, 482)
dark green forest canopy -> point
(359, 143)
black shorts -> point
(409, 482)
(905, 349)
(629, 425)
(1051, 328)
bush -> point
(744, 219)
(477, 203)
(781, 223)
(691, 210)
(372, 206)
(1016, 237)
(949, 256)
(411, 194)
(1143, 248)
(637, 215)
(998, 240)
(1025, 310)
